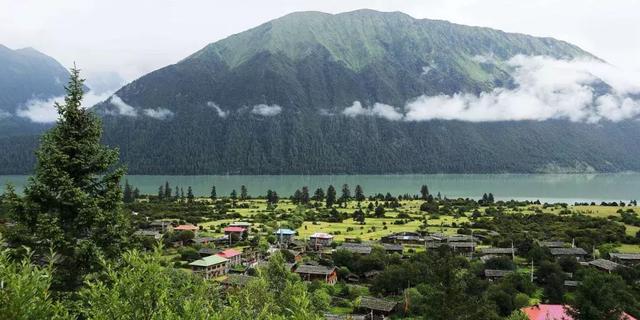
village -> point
(350, 245)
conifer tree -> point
(190, 195)
(167, 191)
(318, 195)
(73, 203)
(128, 193)
(213, 195)
(359, 194)
(305, 195)
(424, 192)
(244, 193)
(331, 196)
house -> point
(320, 240)
(578, 253)
(379, 308)
(186, 227)
(235, 233)
(358, 248)
(285, 235)
(204, 252)
(149, 234)
(604, 265)
(311, 273)
(403, 238)
(492, 274)
(235, 281)
(393, 248)
(210, 267)
(462, 248)
(571, 284)
(234, 256)
(553, 244)
(556, 312)
(202, 240)
(241, 224)
(329, 316)
(161, 226)
(509, 252)
(627, 259)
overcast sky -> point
(132, 38)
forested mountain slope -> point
(315, 93)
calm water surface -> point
(545, 187)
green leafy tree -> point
(73, 202)
(25, 291)
(601, 296)
(142, 288)
(233, 195)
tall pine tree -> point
(73, 203)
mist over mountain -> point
(373, 92)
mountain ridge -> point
(273, 100)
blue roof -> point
(285, 232)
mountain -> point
(27, 74)
(280, 98)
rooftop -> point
(604, 264)
(309, 269)
(356, 248)
(498, 250)
(555, 312)
(492, 273)
(321, 235)
(234, 229)
(377, 304)
(285, 232)
(209, 261)
(229, 253)
(186, 227)
(625, 256)
(553, 244)
(567, 251)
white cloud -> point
(122, 107)
(43, 111)
(4, 114)
(378, 110)
(158, 113)
(266, 110)
(546, 88)
(221, 113)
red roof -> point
(235, 229)
(229, 253)
(189, 227)
(555, 312)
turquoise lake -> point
(545, 187)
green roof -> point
(209, 261)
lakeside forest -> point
(79, 243)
